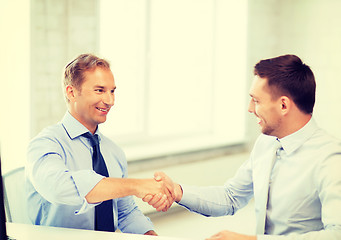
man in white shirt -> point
(293, 171)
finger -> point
(158, 176)
(161, 202)
(168, 183)
(168, 188)
(169, 196)
(167, 205)
(156, 198)
(147, 198)
(164, 207)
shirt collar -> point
(74, 128)
(295, 140)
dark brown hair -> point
(288, 76)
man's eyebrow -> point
(102, 87)
(253, 97)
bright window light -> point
(180, 71)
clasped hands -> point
(171, 192)
(168, 192)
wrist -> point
(135, 187)
(178, 192)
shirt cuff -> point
(191, 200)
(86, 207)
(85, 181)
(187, 195)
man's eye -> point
(99, 90)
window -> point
(179, 68)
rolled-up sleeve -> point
(48, 173)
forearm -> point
(208, 201)
(112, 188)
(198, 199)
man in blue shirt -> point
(63, 188)
(293, 172)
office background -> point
(183, 69)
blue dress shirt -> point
(305, 187)
(59, 175)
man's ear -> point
(70, 93)
(285, 104)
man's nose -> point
(251, 107)
(109, 98)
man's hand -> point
(158, 189)
(158, 201)
(112, 188)
(151, 232)
(152, 187)
(227, 235)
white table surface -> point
(33, 232)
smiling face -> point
(91, 103)
(266, 109)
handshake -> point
(160, 192)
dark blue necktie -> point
(104, 220)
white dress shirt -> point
(305, 187)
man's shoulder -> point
(51, 139)
(52, 132)
(322, 139)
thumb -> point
(147, 198)
(157, 177)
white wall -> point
(308, 28)
(311, 30)
(15, 81)
(61, 30)
(38, 37)
(175, 76)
